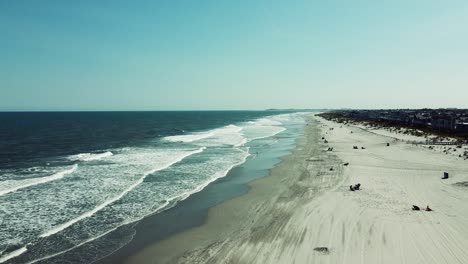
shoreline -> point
(193, 211)
(304, 211)
(254, 215)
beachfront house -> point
(443, 123)
(420, 120)
(461, 125)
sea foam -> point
(189, 138)
(90, 156)
(12, 254)
(262, 128)
(87, 214)
(10, 186)
(227, 135)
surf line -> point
(90, 156)
(65, 225)
(13, 254)
(36, 181)
(168, 201)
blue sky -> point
(184, 55)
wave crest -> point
(10, 186)
(90, 156)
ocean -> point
(71, 179)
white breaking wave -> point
(189, 138)
(273, 131)
(263, 128)
(90, 156)
(69, 249)
(118, 197)
(282, 117)
(227, 135)
(13, 254)
(215, 177)
(10, 186)
(265, 122)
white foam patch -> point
(69, 249)
(265, 122)
(215, 176)
(90, 156)
(189, 138)
(13, 254)
(282, 117)
(263, 128)
(259, 132)
(170, 162)
(10, 186)
(227, 135)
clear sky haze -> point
(213, 55)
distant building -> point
(461, 127)
(420, 120)
(443, 123)
(443, 120)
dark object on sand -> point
(325, 141)
(346, 164)
(388, 144)
(462, 184)
(355, 147)
(330, 149)
(323, 137)
(351, 188)
(416, 208)
(445, 175)
(323, 250)
(363, 148)
(428, 209)
(357, 186)
(331, 169)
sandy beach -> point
(304, 212)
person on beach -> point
(416, 208)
